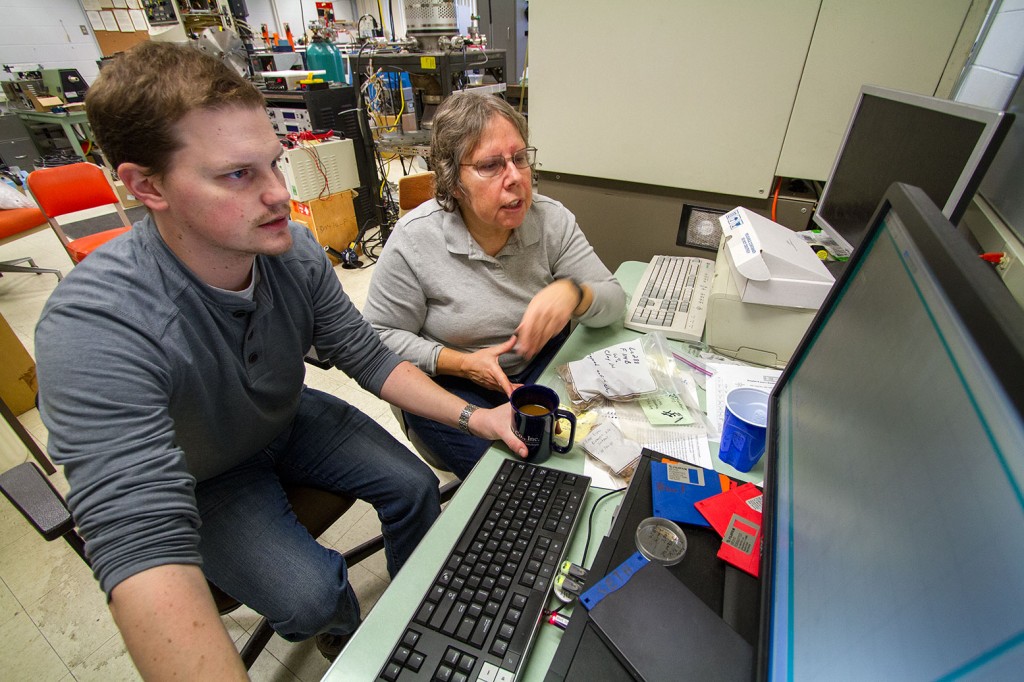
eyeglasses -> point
(493, 166)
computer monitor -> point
(941, 146)
(894, 545)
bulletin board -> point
(117, 24)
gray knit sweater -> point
(150, 381)
(433, 285)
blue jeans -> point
(461, 451)
(254, 548)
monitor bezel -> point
(996, 125)
(976, 295)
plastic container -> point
(743, 434)
(661, 541)
(322, 54)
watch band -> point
(464, 416)
(579, 292)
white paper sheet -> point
(138, 19)
(728, 377)
(109, 22)
(601, 477)
(124, 21)
(692, 450)
(95, 21)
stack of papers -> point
(616, 373)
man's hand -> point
(410, 389)
(496, 424)
(548, 313)
(481, 367)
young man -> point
(177, 432)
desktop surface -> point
(370, 647)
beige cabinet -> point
(720, 97)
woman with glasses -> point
(477, 286)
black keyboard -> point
(482, 612)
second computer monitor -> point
(941, 146)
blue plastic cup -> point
(746, 423)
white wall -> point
(47, 32)
(998, 63)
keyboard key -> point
(480, 632)
(391, 671)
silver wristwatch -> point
(464, 417)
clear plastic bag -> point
(664, 378)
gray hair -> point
(458, 127)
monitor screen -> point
(941, 146)
(895, 468)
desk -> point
(369, 649)
(67, 122)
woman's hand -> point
(481, 367)
(547, 314)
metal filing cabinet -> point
(16, 146)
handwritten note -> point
(606, 443)
(666, 409)
(617, 372)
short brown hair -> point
(458, 127)
(142, 93)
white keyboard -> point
(672, 297)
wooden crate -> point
(332, 220)
(17, 372)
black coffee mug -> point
(535, 413)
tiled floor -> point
(54, 622)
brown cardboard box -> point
(46, 103)
(128, 199)
(332, 220)
(17, 372)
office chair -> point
(16, 223)
(425, 452)
(66, 189)
(40, 503)
(413, 190)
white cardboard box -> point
(771, 264)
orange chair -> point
(16, 223)
(66, 189)
(413, 190)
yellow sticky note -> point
(666, 409)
